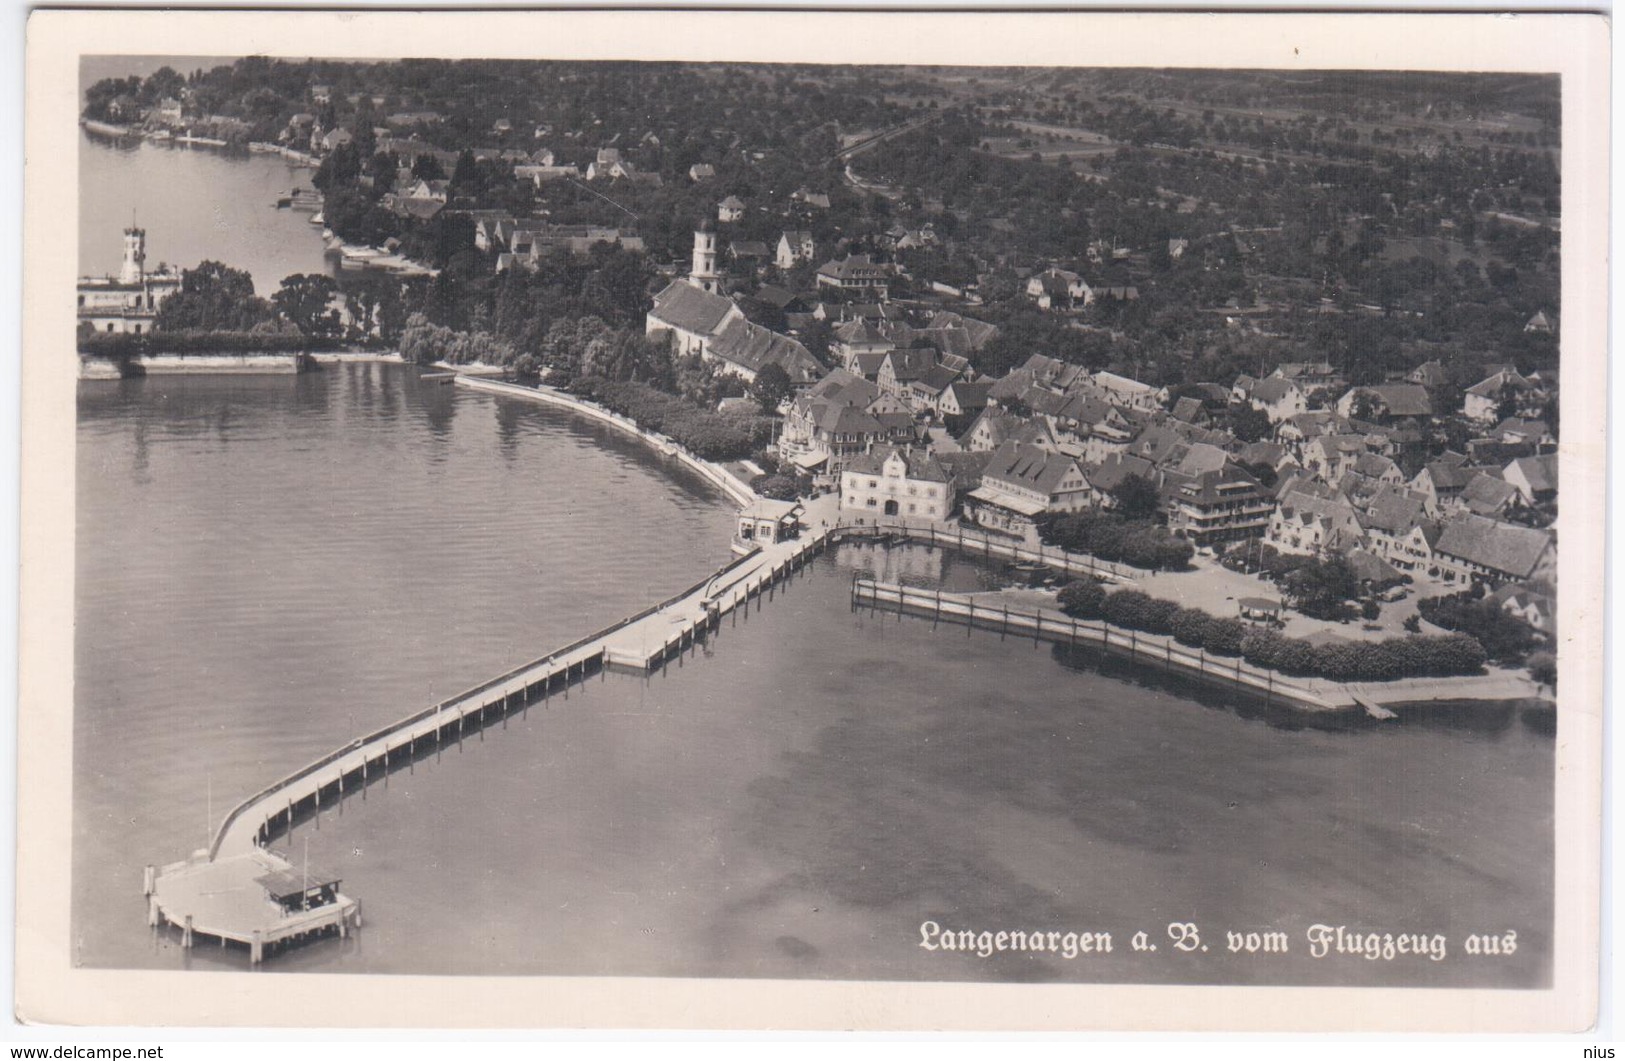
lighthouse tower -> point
(135, 256)
(703, 273)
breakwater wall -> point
(1153, 649)
(1312, 694)
(980, 543)
(714, 473)
(92, 366)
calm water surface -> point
(269, 567)
(196, 205)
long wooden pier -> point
(182, 893)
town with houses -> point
(1344, 472)
(919, 364)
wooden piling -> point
(186, 932)
(256, 948)
(149, 878)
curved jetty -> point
(235, 890)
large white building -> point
(894, 482)
(128, 302)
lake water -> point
(270, 566)
(196, 204)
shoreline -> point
(92, 367)
(730, 484)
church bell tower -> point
(703, 273)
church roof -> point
(691, 309)
(754, 347)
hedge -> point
(1396, 657)
(708, 435)
(1505, 637)
(1138, 543)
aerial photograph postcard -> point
(897, 522)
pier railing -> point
(1153, 648)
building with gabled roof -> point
(1429, 374)
(1535, 478)
(857, 274)
(794, 246)
(964, 397)
(1477, 548)
(839, 417)
(1310, 375)
(691, 315)
(1390, 401)
(1486, 494)
(1022, 482)
(1213, 501)
(1130, 393)
(1057, 288)
(1306, 523)
(892, 482)
(743, 349)
(1278, 398)
(1482, 401)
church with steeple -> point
(698, 318)
(693, 310)
(128, 302)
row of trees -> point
(708, 435)
(1506, 638)
(216, 308)
(1387, 660)
(1116, 538)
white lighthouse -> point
(703, 273)
(134, 269)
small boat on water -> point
(284, 202)
(444, 377)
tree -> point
(304, 299)
(340, 168)
(213, 298)
(1364, 407)
(1082, 600)
(772, 386)
(1136, 497)
(1543, 668)
(1249, 424)
(427, 168)
(1321, 588)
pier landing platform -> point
(255, 899)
